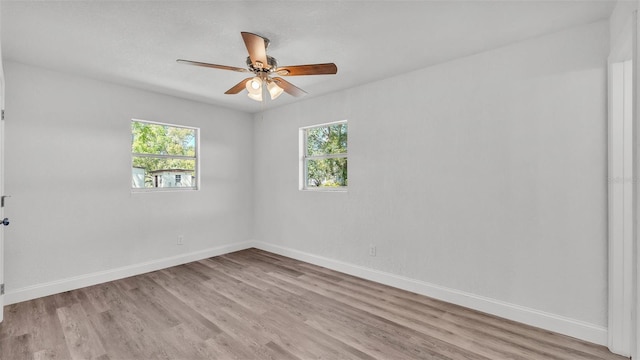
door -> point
(1, 189)
(3, 221)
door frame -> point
(621, 207)
(622, 189)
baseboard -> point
(548, 321)
(76, 282)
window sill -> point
(332, 190)
(161, 190)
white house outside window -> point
(164, 156)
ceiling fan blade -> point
(215, 66)
(257, 48)
(311, 69)
(288, 87)
(238, 87)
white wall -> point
(485, 176)
(68, 170)
(618, 21)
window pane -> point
(162, 139)
(325, 140)
(327, 172)
(150, 172)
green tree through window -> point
(161, 154)
(325, 156)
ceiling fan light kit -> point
(262, 66)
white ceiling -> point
(136, 43)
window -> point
(324, 157)
(163, 156)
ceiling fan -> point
(264, 67)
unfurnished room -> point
(319, 180)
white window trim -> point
(197, 158)
(302, 140)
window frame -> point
(195, 157)
(303, 175)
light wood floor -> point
(256, 305)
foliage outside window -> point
(163, 156)
(324, 156)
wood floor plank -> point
(116, 342)
(190, 318)
(45, 330)
(253, 304)
(81, 338)
(18, 315)
(17, 347)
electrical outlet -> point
(372, 250)
(180, 239)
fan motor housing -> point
(272, 65)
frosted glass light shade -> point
(274, 90)
(256, 97)
(254, 87)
